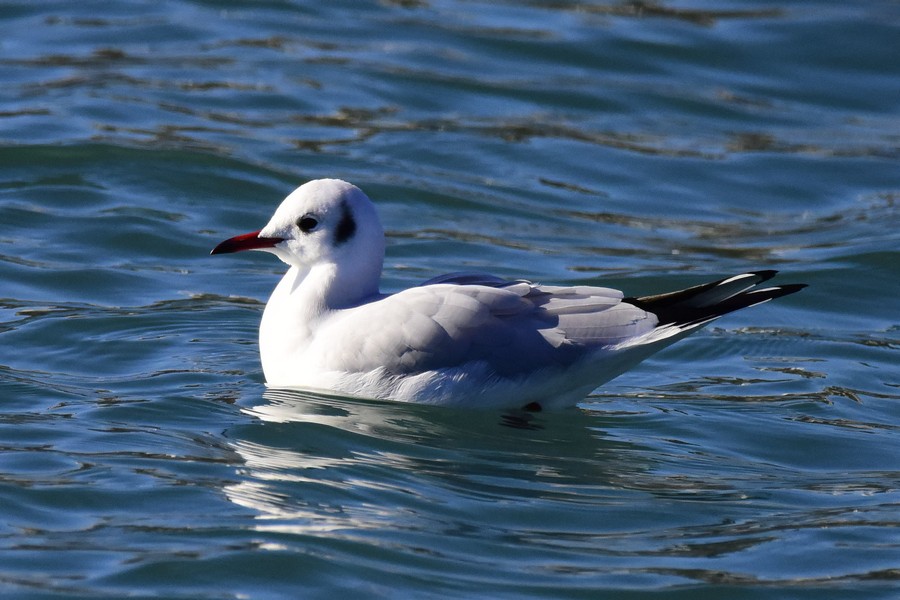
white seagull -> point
(463, 339)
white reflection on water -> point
(317, 463)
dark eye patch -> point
(307, 223)
(346, 227)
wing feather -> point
(513, 327)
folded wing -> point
(510, 327)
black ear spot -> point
(346, 226)
(307, 223)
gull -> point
(462, 339)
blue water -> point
(640, 145)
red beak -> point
(248, 241)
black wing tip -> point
(675, 308)
(791, 288)
(764, 275)
(758, 296)
(785, 289)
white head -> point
(325, 223)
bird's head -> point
(324, 221)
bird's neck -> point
(299, 303)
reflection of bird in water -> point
(314, 463)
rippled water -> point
(641, 145)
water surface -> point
(644, 146)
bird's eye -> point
(307, 223)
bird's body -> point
(460, 339)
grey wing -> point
(584, 314)
(513, 327)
